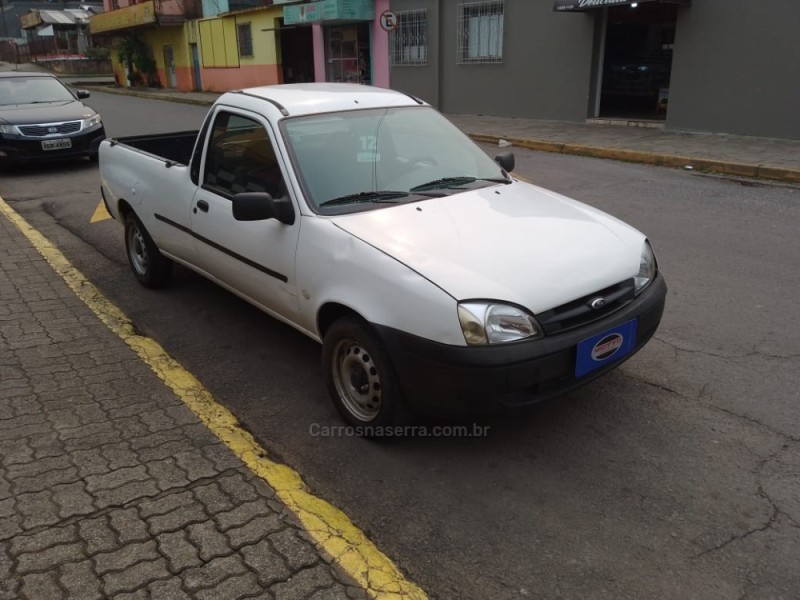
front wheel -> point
(150, 267)
(359, 376)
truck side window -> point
(241, 158)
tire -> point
(360, 377)
(149, 266)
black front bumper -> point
(20, 150)
(436, 377)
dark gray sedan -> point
(41, 119)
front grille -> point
(580, 312)
(54, 129)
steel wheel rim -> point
(137, 250)
(357, 380)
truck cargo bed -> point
(176, 147)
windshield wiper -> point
(378, 197)
(449, 182)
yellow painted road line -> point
(100, 213)
(331, 529)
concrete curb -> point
(150, 95)
(652, 158)
(675, 161)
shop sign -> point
(124, 18)
(303, 13)
(363, 10)
(329, 10)
(578, 5)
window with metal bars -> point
(480, 32)
(245, 35)
(408, 42)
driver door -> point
(253, 258)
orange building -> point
(166, 44)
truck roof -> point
(311, 98)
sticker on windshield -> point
(369, 146)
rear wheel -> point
(150, 267)
(360, 377)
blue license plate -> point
(604, 348)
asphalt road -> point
(676, 476)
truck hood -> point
(515, 243)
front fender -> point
(335, 266)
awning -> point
(580, 5)
(56, 17)
(123, 18)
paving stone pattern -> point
(109, 486)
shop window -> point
(245, 36)
(408, 42)
(480, 32)
(347, 53)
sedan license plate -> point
(56, 144)
(604, 348)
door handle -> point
(202, 205)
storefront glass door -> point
(638, 61)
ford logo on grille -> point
(52, 130)
(598, 303)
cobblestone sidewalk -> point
(109, 486)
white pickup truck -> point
(367, 221)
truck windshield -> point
(351, 161)
(32, 90)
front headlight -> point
(647, 268)
(9, 129)
(91, 121)
(494, 323)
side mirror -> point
(82, 94)
(506, 160)
(260, 206)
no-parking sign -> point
(388, 20)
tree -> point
(98, 53)
(135, 54)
